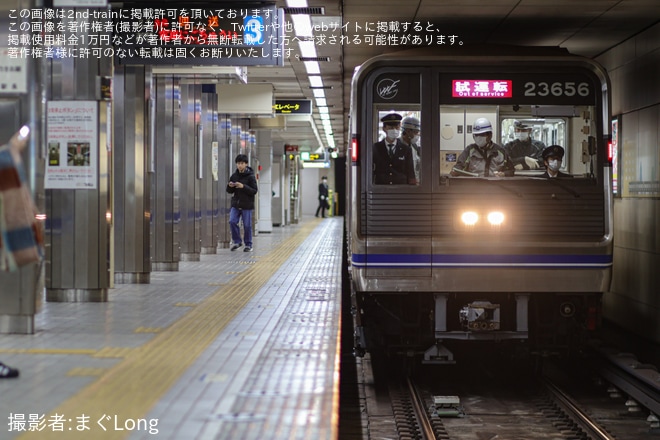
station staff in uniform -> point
(553, 156)
(393, 160)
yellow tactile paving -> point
(148, 330)
(113, 352)
(127, 391)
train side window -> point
(397, 153)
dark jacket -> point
(518, 149)
(396, 170)
(243, 198)
(323, 191)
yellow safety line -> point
(84, 351)
(128, 390)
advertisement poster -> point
(72, 139)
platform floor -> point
(235, 346)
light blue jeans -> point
(235, 216)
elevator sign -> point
(293, 106)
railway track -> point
(515, 408)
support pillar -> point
(265, 154)
(78, 228)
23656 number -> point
(568, 88)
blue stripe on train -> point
(451, 261)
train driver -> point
(483, 158)
(393, 160)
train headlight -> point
(470, 218)
(495, 218)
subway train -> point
(445, 260)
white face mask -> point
(415, 140)
(393, 133)
(522, 135)
(554, 164)
(481, 141)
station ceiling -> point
(584, 27)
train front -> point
(463, 226)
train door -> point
(397, 221)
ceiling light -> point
(321, 102)
(318, 93)
(315, 81)
(296, 3)
(323, 110)
(302, 25)
(325, 116)
(312, 67)
(307, 49)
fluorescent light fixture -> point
(321, 102)
(315, 81)
(325, 116)
(323, 110)
(312, 67)
(307, 49)
(296, 3)
(318, 93)
(302, 25)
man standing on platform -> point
(243, 186)
(323, 197)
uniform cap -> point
(553, 150)
(411, 122)
(391, 117)
(520, 126)
(481, 125)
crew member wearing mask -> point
(483, 158)
(393, 160)
(552, 158)
(410, 129)
(524, 151)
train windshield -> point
(507, 141)
(429, 124)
